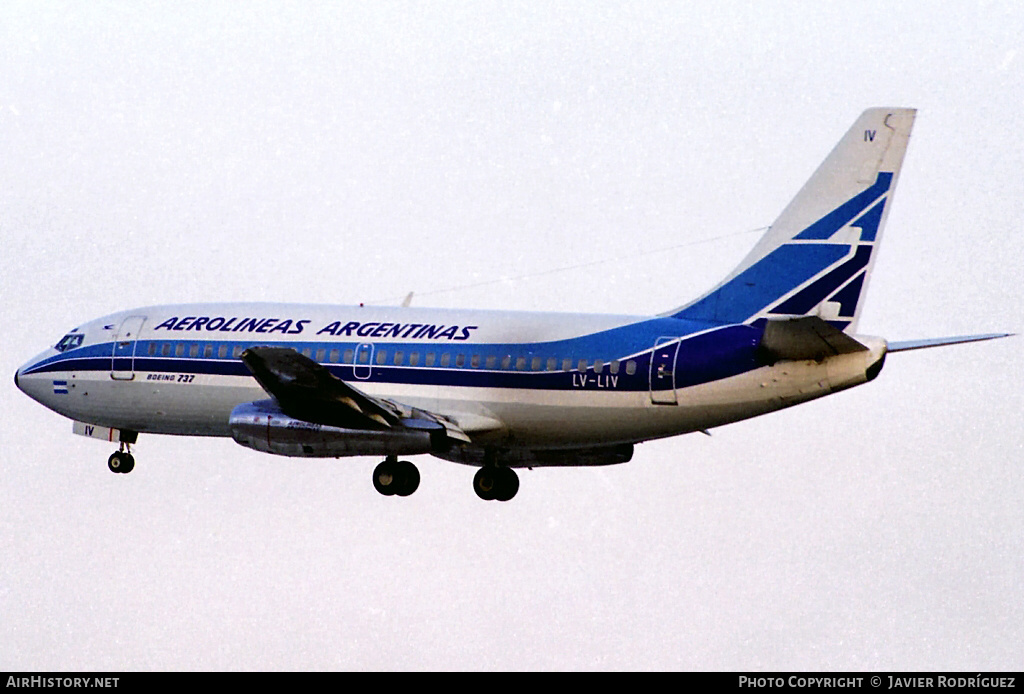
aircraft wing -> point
(941, 341)
(308, 391)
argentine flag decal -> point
(60, 387)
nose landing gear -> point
(121, 460)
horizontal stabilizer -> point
(805, 338)
(907, 345)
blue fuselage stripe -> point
(704, 357)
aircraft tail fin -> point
(817, 257)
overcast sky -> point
(346, 152)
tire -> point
(115, 462)
(386, 478)
(128, 463)
(408, 478)
(508, 484)
(486, 482)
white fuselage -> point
(527, 380)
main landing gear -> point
(396, 477)
(121, 460)
(493, 483)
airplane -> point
(502, 390)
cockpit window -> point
(69, 341)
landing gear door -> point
(663, 367)
(122, 363)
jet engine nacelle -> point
(264, 427)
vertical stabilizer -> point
(816, 258)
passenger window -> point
(582, 366)
(349, 356)
(431, 358)
(399, 357)
(193, 351)
(414, 359)
(491, 361)
(364, 356)
(208, 351)
(222, 351)
(446, 359)
(566, 364)
(521, 363)
(165, 349)
(460, 360)
(307, 352)
(152, 349)
(474, 361)
(552, 363)
(334, 356)
(535, 364)
(598, 366)
(321, 354)
(630, 367)
(614, 367)
(382, 356)
(237, 351)
(179, 350)
(506, 361)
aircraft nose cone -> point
(16, 373)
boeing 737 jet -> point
(501, 390)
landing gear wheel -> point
(122, 459)
(485, 482)
(122, 462)
(492, 483)
(409, 478)
(396, 477)
(385, 479)
(508, 484)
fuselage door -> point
(663, 368)
(122, 363)
(362, 365)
